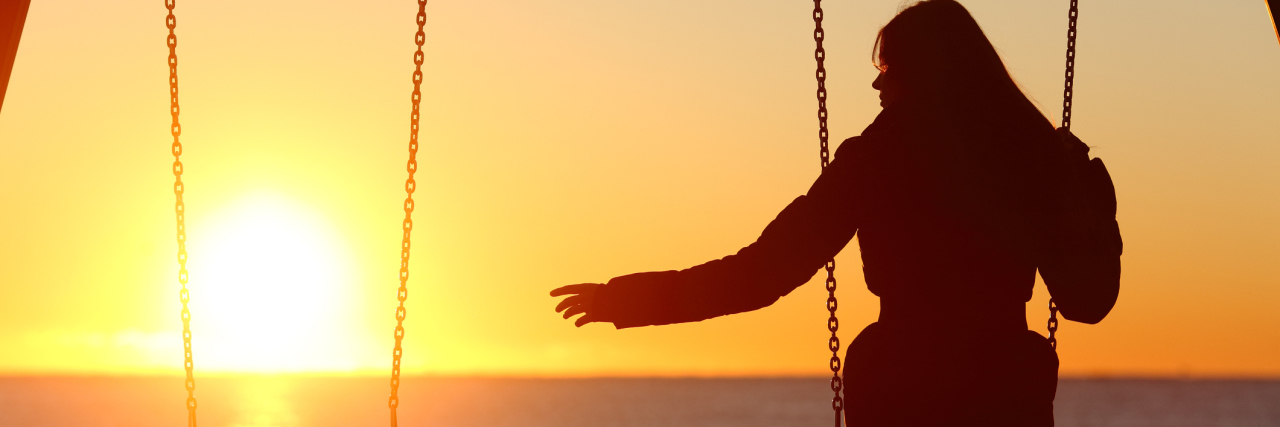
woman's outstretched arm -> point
(804, 236)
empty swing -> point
(410, 185)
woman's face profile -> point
(889, 88)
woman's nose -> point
(875, 84)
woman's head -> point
(934, 51)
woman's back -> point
(951, 220)
(952, 216)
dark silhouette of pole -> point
(1273, 6)
(13, 13)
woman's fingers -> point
(577, 302)
(573, 289)
(570, 301)
(574, 310)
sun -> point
(272, 290)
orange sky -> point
(568, 141)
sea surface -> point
(495, 402)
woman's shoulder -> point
(882, 134)
(865, 155)
(855, 146)
(891, 125)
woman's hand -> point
(580, 300)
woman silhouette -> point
(952, 192)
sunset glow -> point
(274, 291)
(571, 141)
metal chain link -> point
(1053, 324)
(420, 37)
(179, 209)
(1069, 86)
(1067, 93)
(833, 323)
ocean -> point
(267, 401)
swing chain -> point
(833, 323)
(1069, 86)
(1053, 324)
(407, 226)
(179, 208)
(820, 55)
(1067, 92)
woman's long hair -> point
(939, 53)
(996, 148)
(941, 57)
